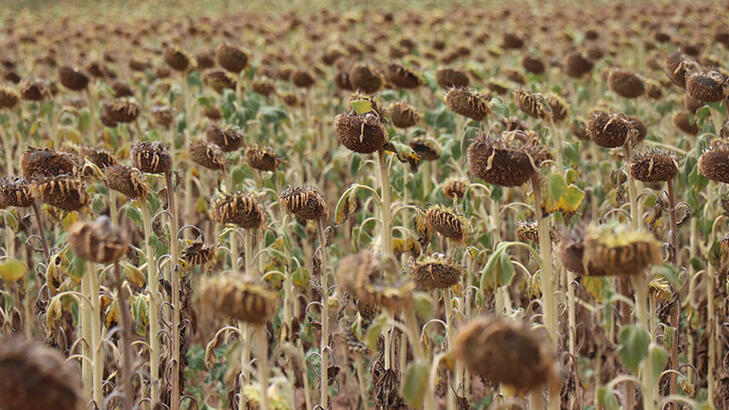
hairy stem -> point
(324, 394)
(126, 340)
(41, 230)
(545, 252)
(262, 357)
(175, 285)
(154, 307)
(386, 218)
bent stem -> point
(126, 340)
(154, 306)
(175, 285)
(325, 307)
(386, 219)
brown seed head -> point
(99, 241)
(576, 66)
(207, 154)
(435, 272)
(620, 250)
(36, 377)
(365, 78)
(8, 98)
(263, 87)
(609, 130)
(534, 105)
(120, 110)
(241, 300)
(341, 79)
(683, 122)
(100, 157)
(14, 191)
(403, 115)
(578, 128)
(447, 222)
(127, 180)
(219, 80)
(506, 160)
(238, 209)
(177, 59)
(34, 89)
(41, 163)
(707, 86)
(363, 133)
(454, 188)
(305, 202)
(72, 78)
(714, 162)
(572, 253)
(63, 191)
(533, 64)
(558, 106)
(231, 58)
(302, 78)
(678, 68)
(262, 159)
(151, 157)
(197, 253)
(427, 148)
(506, 352)
(401, 77)
(529, 231)
(362, 275)
(653, 166)
(626, 84)
(452, 78)
(162, 115)
(227, 139)
(467, 103)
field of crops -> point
(362, 205)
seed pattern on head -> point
(451, 78)
(528, 231)
(123, 111)
(506, 352)
(427, 148)
(609, 130)
(206, 154)
(403, 115)
(507, 160)
(127, 180)
(653, 166)
(707, 86)
(435, 272)
(262, 159)
(714, 162)
(151, 157)
(305, 202)
(65, 192)
(99, 241)
(42, 163)
(678, 68)
(626, 83)
(14, 191)
(227, 139)
(558, 106)
(447, 222)
(231, 58)
(234, 298)
(620, 250)
(100, 157)
(219, 80)
(468, 103)
(238, 209)
(363, 133)
(198, 253)
(533, 105)
(402, 77)
(37, 377)
(454, 188)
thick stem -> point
(386, 218)
(557, 141)
(175, 285)
(126, 340)
(154, 307)
(245, 358)
(623, 284)
(361, 379)
(710, 307)
(545, 252)
(324, 396)
(85, 330)
(640, 287)
(451, 397)
(263, 365)
(96, 339)
(41, 230)
(676, 303)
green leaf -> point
(346, 205)
(404, 153)
(499, 108)
(506, 269)
(374, 330)
(11, 221)
(497, 192)
(12, 269)
(659, 359)
(607, 399)
(415, 384)
(633, 348)
(361, 106)
(499, 271)
(599, 287)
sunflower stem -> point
(324, 391)
(175, 285)
(126, 340)
(545, 253)
(386, 218)
(154, 307)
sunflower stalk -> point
(324, 344)
(154, 306)
(175, 285)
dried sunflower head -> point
(714, 162)
(508, 160)
(151, 157)
(534, 105)
(37, 377)
(238, 209)
(305, 202)
(707, 86)
(127, 180)
(100, 157)
(365, 78)
(227, 139)
(447, 222)
(99, 241)
(177, 59)
(572, 253)
(241, 300)
(8, 98)
(14, 191)
(576, 66)
(262, 159)
(506, 352)
(621, 250)
(42, 163)
(653, 166)
(65, 192)
(468, 103)
(231, 58)
(73, 78)
(451, 78)
(362, 275)
(207, 154)
(220, 80)
(121, 110)
(363, 133)
(609, 130)
(435, 272)
(454, 188)
(402, 77)
(403, 115)
(626, 83)
(198, 253)
(427, 148)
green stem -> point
(96, 339)
(175, 285)
(154, 307)
(640, 287)
(385, 195)
(263, 365)
(85, 330)
(126, 341)
(325, 311)
(545, 252)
